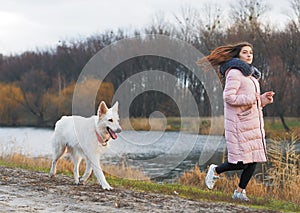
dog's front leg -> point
(100, 176)
(53, 168)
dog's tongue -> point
(112, 134)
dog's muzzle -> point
(112, 133)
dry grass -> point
(284, 174)
(18, 159)
(123, 171)
(226, 184)
(65, 166)
(280, 178)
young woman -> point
(244, 125)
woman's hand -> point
(269, 95)
(267, 98)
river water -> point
(162, 156)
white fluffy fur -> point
(78, 136)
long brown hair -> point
(224, 53)
(220, 55)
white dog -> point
(86, 138)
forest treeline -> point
(36, 87)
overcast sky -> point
(31, 24)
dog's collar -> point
(100, 140)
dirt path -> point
(27, 191)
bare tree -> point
(278, 80)
(160, 25)
(34, 84)
(293, 31)
(295, 5)
(248, 12)
(246, 18)
(188, 23)
(210, 30)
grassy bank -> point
(273, 125)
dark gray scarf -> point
(245, 68)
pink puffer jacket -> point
(244, 126)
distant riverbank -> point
(201, 125)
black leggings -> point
(248, 170)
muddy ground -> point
(28, 191)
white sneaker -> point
(211, 177)
(240, 196)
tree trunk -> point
(284, 123)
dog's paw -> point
(82, 181)
(107, 187)
(77, 182)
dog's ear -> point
(102, 109)
(115, 106)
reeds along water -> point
(283, 175)
(279, 177)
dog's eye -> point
(110, 120)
